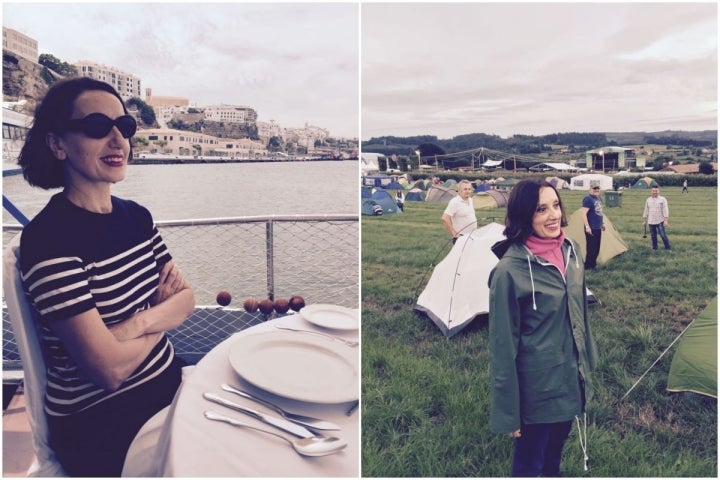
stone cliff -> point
(24, 80)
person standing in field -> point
(592, 216)
(400, 201)
(685, 189)
(656, 214)
(541, 347)
(459, 215)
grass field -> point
(425, 398)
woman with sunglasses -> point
(541, 348)
(103, 282)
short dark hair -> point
(39, 166)
(521, 207)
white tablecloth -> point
(190, 445)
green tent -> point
(611, 243)
(694, 365)
(490, 199)
(506, 184)
(645, 182)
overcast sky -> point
(293, 63)
(538, 68)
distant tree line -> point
(520, 144)
(680, 141)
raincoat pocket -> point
(542, 376)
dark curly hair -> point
(39, 166)
(521, 208)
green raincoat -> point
(542, 351)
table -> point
(190, 445)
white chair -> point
(22, 318)
(142, 459)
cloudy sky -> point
(538, 68)
(293, 63)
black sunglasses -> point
(97, 125)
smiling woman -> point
(541, 348)
(105, 288)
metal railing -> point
(313, 256)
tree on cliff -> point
(147, 113)
(274, 144)
(57, 65)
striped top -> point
(72, 261)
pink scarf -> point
(549, 249)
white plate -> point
(297, 366)
(331, 316)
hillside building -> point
(269, 129)
(241, 148)
(175, 142)
(156, 101)
(231, 114)
(20, 44)
(168, 141)
(127, 84)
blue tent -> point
(371, 207)
(393, 186)
(415, 195)
(386, 201)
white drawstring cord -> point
(583, 438)
(577, 263)
(532, 281)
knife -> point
(280, 423)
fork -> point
(311, 422)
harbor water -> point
(309, 258)
(179, 192)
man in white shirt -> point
(656, 215)
(459, 215)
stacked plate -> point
(331, 316)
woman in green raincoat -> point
(541, 347)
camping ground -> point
(425, 398)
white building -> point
(230, 113)
(240, 148)
(176, 142)
(269, 129)
(165, 113)
(127, 84)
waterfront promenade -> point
(169, 159)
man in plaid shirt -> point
(656, 215)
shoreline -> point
(9, 170)
(175, 161)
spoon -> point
(310, 422)
(310, 447)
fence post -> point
(270, 265)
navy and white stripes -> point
(118, 278)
